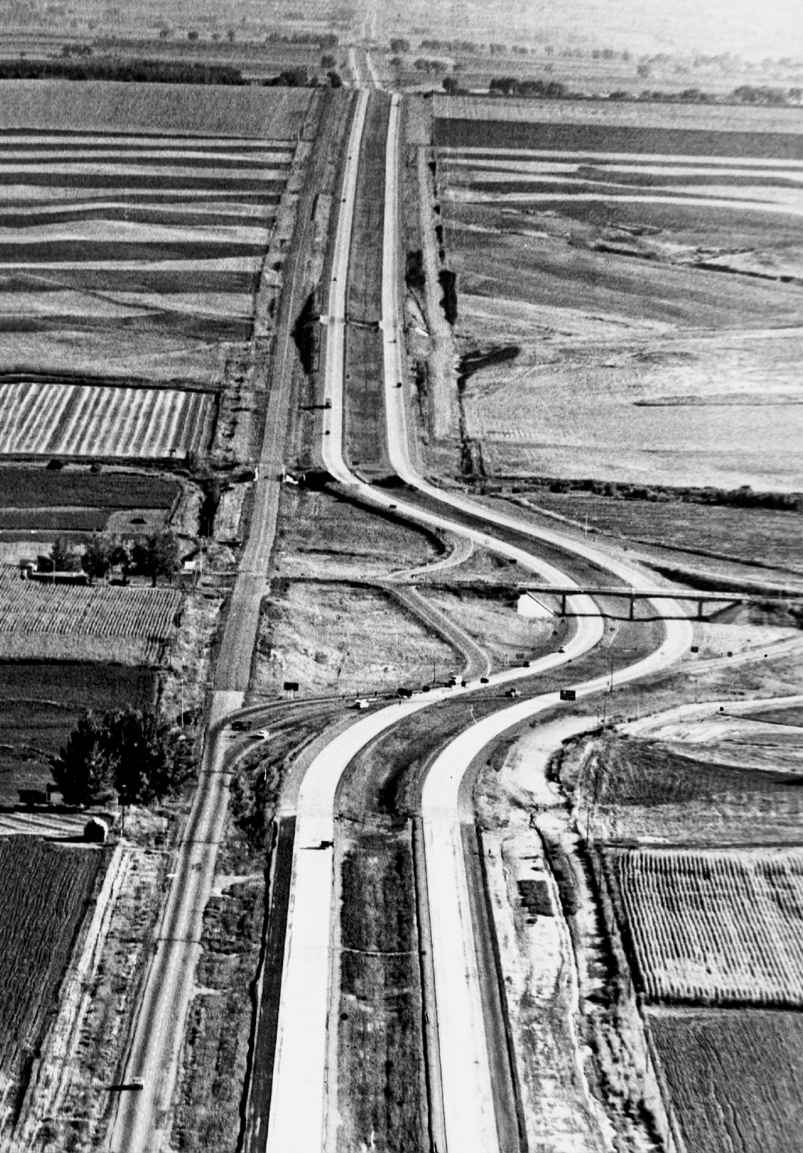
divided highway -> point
(302, 1117)
(467, 1118)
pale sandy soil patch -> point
(495, 625)
(132, 232)
(350, 640)
(190, 267)
(160, 357)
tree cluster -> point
(512, 86)
(117, 68)
(289, 78)
(422, 64)
(130, 752)
(321, 39)
(466, 46)
(154, 555)
(742, 497)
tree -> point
(134, 751)
(61, 557)
(81, 768)
(450, 85)
(156, 555)
(97, 558)
(147, 755)
(328, 60)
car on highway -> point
(240, 726)
(362, 703)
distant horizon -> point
(772, 29)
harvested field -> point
(83, 420)
(140, 214)
(743, 791)
(187, 109)
(582, 115)
(731, 1077)
(740, 534)
(41, 503)
(33, 613)
(716, 927)
(43, 488)
(46, 890)
(39, 704)
(646, 271)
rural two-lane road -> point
(140, 1122)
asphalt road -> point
(141, 1123)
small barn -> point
(96, 831)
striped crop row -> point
(101, 611)
(715, 926)
(90, 420)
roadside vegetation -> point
(132, 752)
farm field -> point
(741, 534)
(741, 787)
(38, 619)
(39, 503)
(40, 702)
(715, 926)
(76, 420)
(730, 1076)
(46, 891)
(134, 225)
(642, 270)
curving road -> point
(300, 1066)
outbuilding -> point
(96, 831)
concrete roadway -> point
(300, 1067)
(300, 1063)
(466, 1075)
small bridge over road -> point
(698, 602)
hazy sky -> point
(752, 28)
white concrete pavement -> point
(298, 1121)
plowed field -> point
(45, 892)
(38, 611)
(135, 221)
(732, 1078)
(89, 421)
(715, 927)
(642, 267)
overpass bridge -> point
(631, 596)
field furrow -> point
(716, 926)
